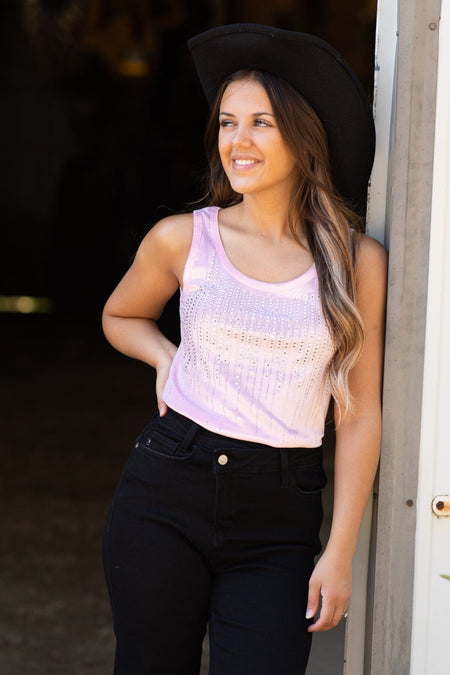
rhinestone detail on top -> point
(253, 356)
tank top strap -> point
(202, 246)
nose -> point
(241, 137)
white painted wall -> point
(430, 652)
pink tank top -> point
(252, 362)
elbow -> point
(365, 426)
(107, 320)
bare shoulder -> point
(371, 259)
(371, 273)
(173, 233)
(166, 246)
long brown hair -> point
(330, 225)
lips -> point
(244, 162)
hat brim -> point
(316, 70)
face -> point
(254, 155)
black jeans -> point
(205, 528)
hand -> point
(331, 581)
(162, 373)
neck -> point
(267, 217)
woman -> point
(217, 514)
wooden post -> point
(388, 638)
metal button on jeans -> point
(222, 459)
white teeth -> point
(244, 162)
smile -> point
(245, 162)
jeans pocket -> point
(160, 440)
(309, 480)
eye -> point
(225, 122)
(259, 122)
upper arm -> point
(156, 272)
(365, 378)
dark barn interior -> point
(101, 134)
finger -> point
(313, 600)
(326, 618)
(162, 407)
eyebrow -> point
(256, 114)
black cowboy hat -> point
(316, 70)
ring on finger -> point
(345, 615)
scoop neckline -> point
(244, 278)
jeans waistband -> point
(248, 455)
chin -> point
(243, 189)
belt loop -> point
(284, 466)
(187, 440)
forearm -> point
(356, 461)
(138, 338)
